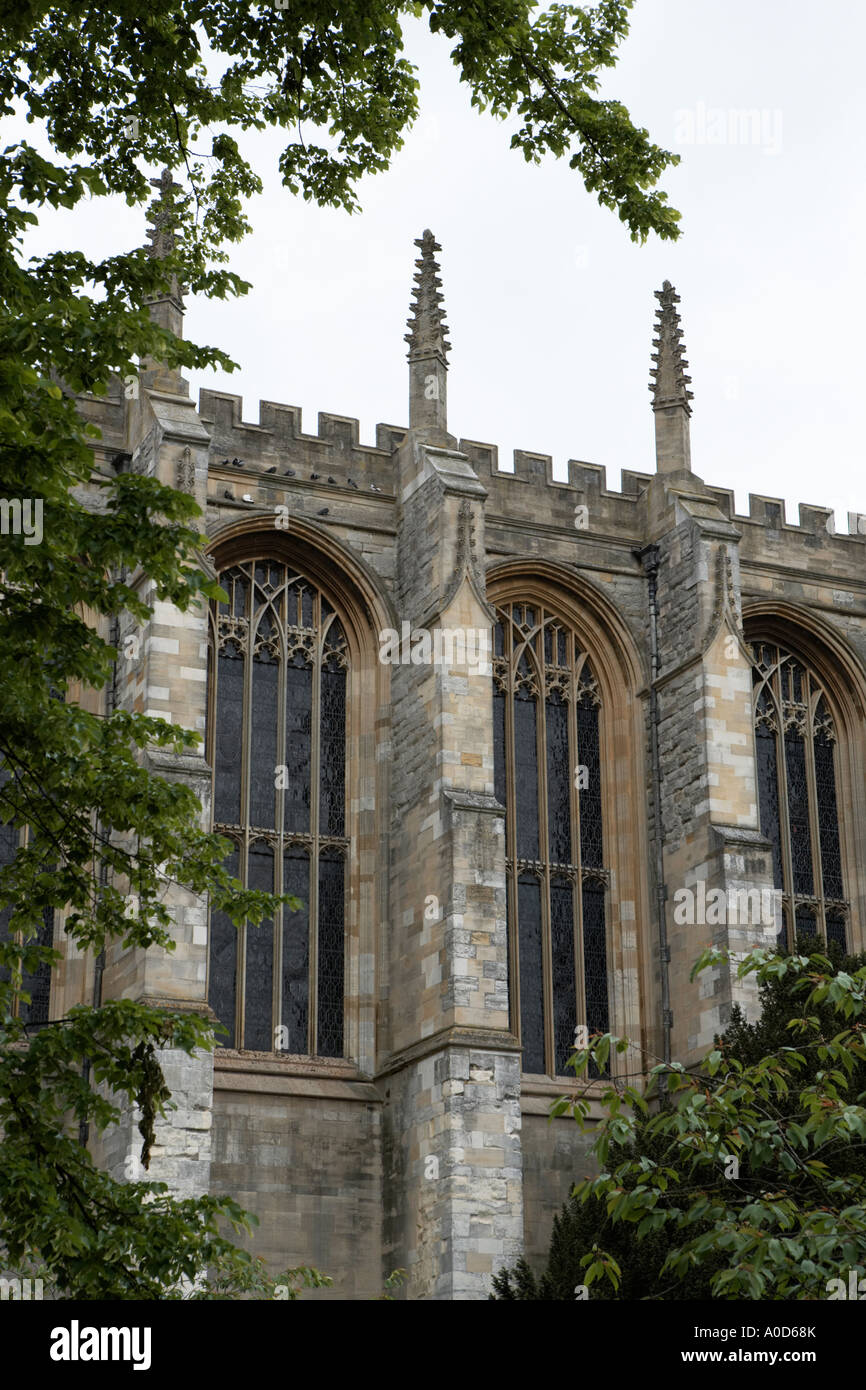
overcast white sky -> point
(549, 303)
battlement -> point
(613, 514)
(530, 467)
(769, 513)
(108, 414)
(277, 441)
(278, 438)
(587, 484)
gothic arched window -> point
(546, 706)
(795, 741)
(277, 741)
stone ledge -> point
(467, 1039)
(538, 1092)
(740, 837)
(180, 1005)
(473, 801)
(160, 761)
(540, 1105)
(288, 1064)
(250, 1080)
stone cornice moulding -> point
(739, 837)
(473, 801)
(161, 761)
(454, 1036)
(186, 1006)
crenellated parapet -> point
(532, 493)
(278, 441)
(583, 503)
(277, 445)
(109, 415)
(812, 544)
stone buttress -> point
(452, 1081)
(708, 786)
(162, 671)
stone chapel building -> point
(488, 727)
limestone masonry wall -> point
(425, 1148)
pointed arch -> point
(295, 702)
(810, 698)
(568, 728)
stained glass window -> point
(796, 753)
(547, 774)
(277, 740)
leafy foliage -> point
(119, 89)
(671, 1216)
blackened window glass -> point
(795, 742)
(277, 740)
(547, 774)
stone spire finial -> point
(669, 386)
(166, 308)
(161, 213)
(428, 345)
(670, 383)
(427, 327)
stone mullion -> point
(544, 856)
(781, 792)
(775, 685)
(511, 836)
(352, 773)
(210, 754)
(577, 884)
(211, 701)
(315, 777)
(815, 828)
(848, 831)
(279, 807)
(244, 846)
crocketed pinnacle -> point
(160, 213)
(165, 306)
(670, 383)
(427, 327)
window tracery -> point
(548, 776)
(795, 737)
(279, 667)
